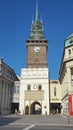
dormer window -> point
(71, 41)
(69, 51)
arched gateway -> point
(35, 108)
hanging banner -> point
(70, 101)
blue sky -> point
(15, 24)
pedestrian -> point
(16, 112)
(57, 110)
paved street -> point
(36, 122)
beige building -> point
(66, 76)
(55, 96)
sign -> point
(70, 101)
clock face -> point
(36, 49)
(35, 86)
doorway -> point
(35, 108)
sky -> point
(15, 25)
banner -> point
(70, 101)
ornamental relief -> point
(34, 74)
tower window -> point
(39, 87)
(29, 87)
(69, 52)
(71, 41)
(54, 91)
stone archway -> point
(27, 109)
(35, 108)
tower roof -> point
(36, 11)
(69, 41)
(70, 36)
(37, 32)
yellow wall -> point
(57, 98)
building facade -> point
(55, 96)
(66, 76)
(15, 94)
(7, 78)
(34, 92)
(34, 84)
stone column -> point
(41, 106)
(2, 94)
(6, 99)
(29, 106)
(8, 103)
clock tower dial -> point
(37, 49)
(36, 54)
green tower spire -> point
(37, 32)
(36, 11)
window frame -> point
(55, 91)
(28, 87)
(39, 87)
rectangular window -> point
(72, 83)
(17, 89)
(29, 87)
(39, 87)
(72, 77)
(54, 91)
(14, 89)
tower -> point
(36, 45)
(34, 87)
